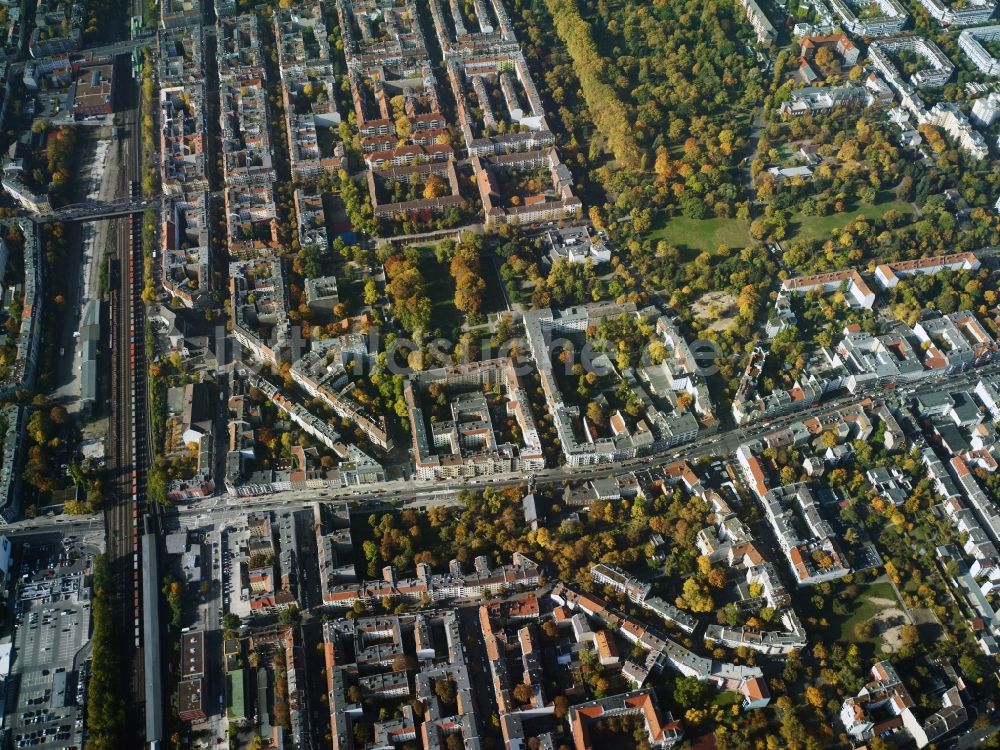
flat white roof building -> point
(949, 14)
(971, 42)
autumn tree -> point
(522, 693)
(435, 187)
(595, 413)
(690, 692)
(814, 696)
(466, 270)
(444, 689)
(407, 289)
(695, 597)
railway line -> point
(125, 518)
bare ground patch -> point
(888, 623)
(719, 308)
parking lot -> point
(234, 539)
(51, 636)
(48, 687)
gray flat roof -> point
(151, 639)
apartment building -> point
(856, 290)
(311, 218)
(485, 61)
(485, 66)
(322, 373)
(246, 142)
(182, 134)
(840, 43)
(251, 220)
(869, 359)
(13, 421)
(356, 468)
(661, 729)
(176, 13)
(24, 370)
(765, 31)
(455, 584)
(986, 109)
(391, 81)
(813, 99)
(467, 445)
(577, 245)
(540, 326)
(937, 72)
(806, 538)
(321, 294)
(871, 18)
(185, 263)
(183, 164)
(660, 651)
(260, 313)
(556, 203)
(392, 84)
(225, 8)
(180, 55)
(884, 707)
(28, 199)
(248, 170)
(308, 91)
(888, 275)
(951, 14)
(495, 31)
(983, 506)
(617, 579)
(750, 404)
(971, 42)
(319, 429)
(955, 342)
(413, 166)
(58, 28)
(948, 117)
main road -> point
(422, 493)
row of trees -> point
(60, 152)
(173, 590)
(105, 710)
(45, 430)
(102, 16)
(466, 269)
(156, 481)
(407, 289)
(609, 113)
(148, 135)
(356, 204)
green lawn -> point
(819, 227)
(697, 235)
(441, 290)
(726, 699)
(860, 610)
(785, 151)
(494, 298)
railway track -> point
(124, 517)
